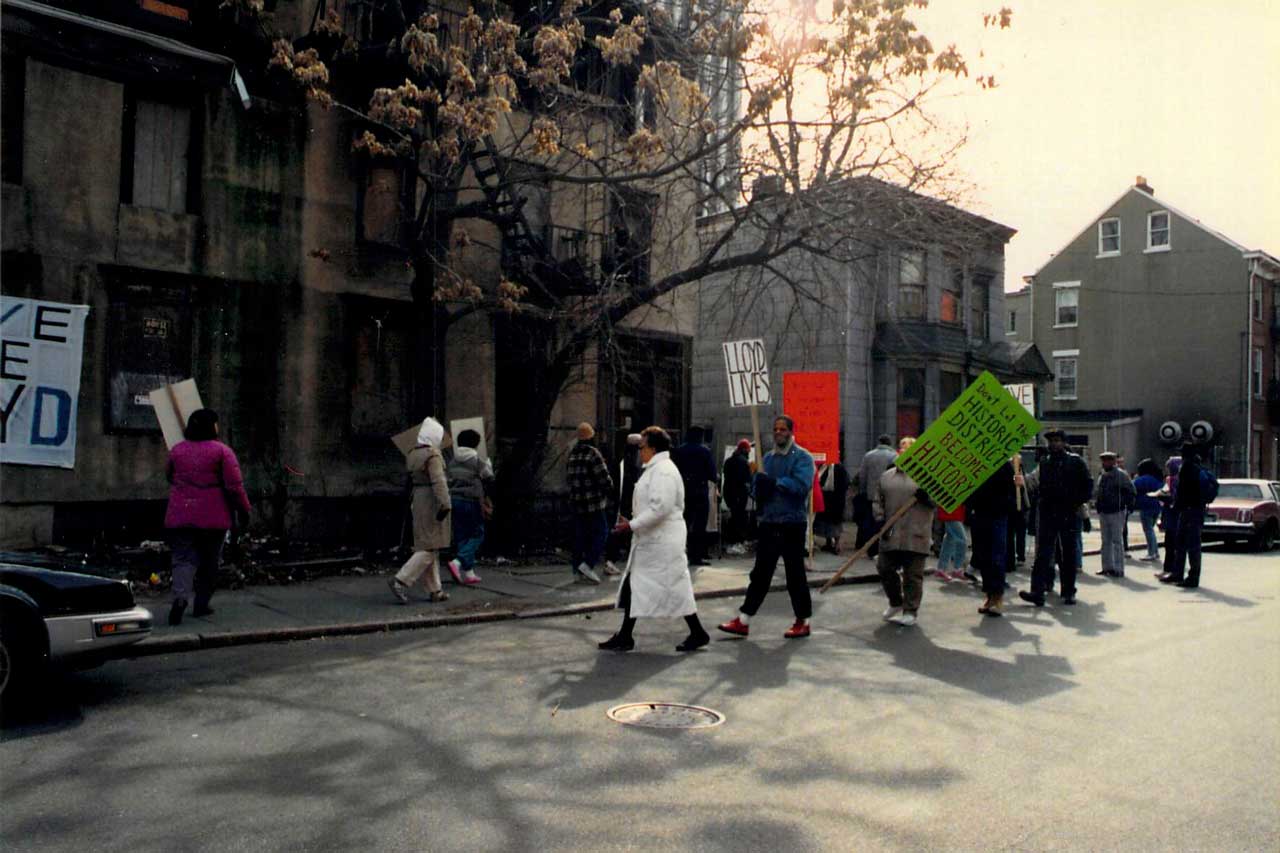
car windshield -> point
(1240, 491)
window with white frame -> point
(1109, 237)
(1157, 231)
(1065, 364)
(1066, 304)
(1255, 374)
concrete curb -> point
(200, 642)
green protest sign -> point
(977, 434)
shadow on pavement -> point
(1029, 678)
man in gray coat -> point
(904, 545)
(1114, 496)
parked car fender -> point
(24, 642)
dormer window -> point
(1158, 231)
(1108, 238)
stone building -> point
(219, 229)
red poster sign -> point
(813, 400)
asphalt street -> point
(1145, 718)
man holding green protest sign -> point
(974, 437)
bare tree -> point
(642, 115)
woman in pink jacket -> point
(205, 487)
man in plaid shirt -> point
(590, 488)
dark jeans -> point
(1016, 550)
(468, 531)
(197, 554)
(1170, 540)
(785, 541)
(1058, 529)
(737, 530)
(590, 530)
(867, 524)
(990, 542)
(695, 524)
(1187, 547)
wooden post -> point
(1017, 472)
(755, 435)
(889, 522)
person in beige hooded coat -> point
(431, 507)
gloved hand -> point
(922, 498)
(443, 512)
(764, 487)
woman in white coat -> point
(657, 582)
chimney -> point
(1141, 184)
(768, 186)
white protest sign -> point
(41, 346)
(457, 427)
(748, 373)
(173, 404)
(1024, 394)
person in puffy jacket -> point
(470, 477)
(781, 492)
(205, 488)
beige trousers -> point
(421, 563)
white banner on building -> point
(41, 346)
(748, 373)
(1024, 394)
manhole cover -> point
(665, 715)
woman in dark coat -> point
(829, 523)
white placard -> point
(1024, 394)
(477, 424)
(173, 404)
(41, 347)
(748, 373)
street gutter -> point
(199, 642)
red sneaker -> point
(797, 631)
(735, 626)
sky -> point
(1092, 94)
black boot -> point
(176, 611)
(617, 643)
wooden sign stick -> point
(1017, 490)
(755, 435)
(873, 540)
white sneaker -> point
(890, 613)
(610, 569)
(588, 573)
(904, 619)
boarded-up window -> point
(380, 390)
(382, 204)
(161, 152)
(13, 77)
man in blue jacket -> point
(782, 492)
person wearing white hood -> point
(431, 509)
(657, 582)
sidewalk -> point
(362, 604)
